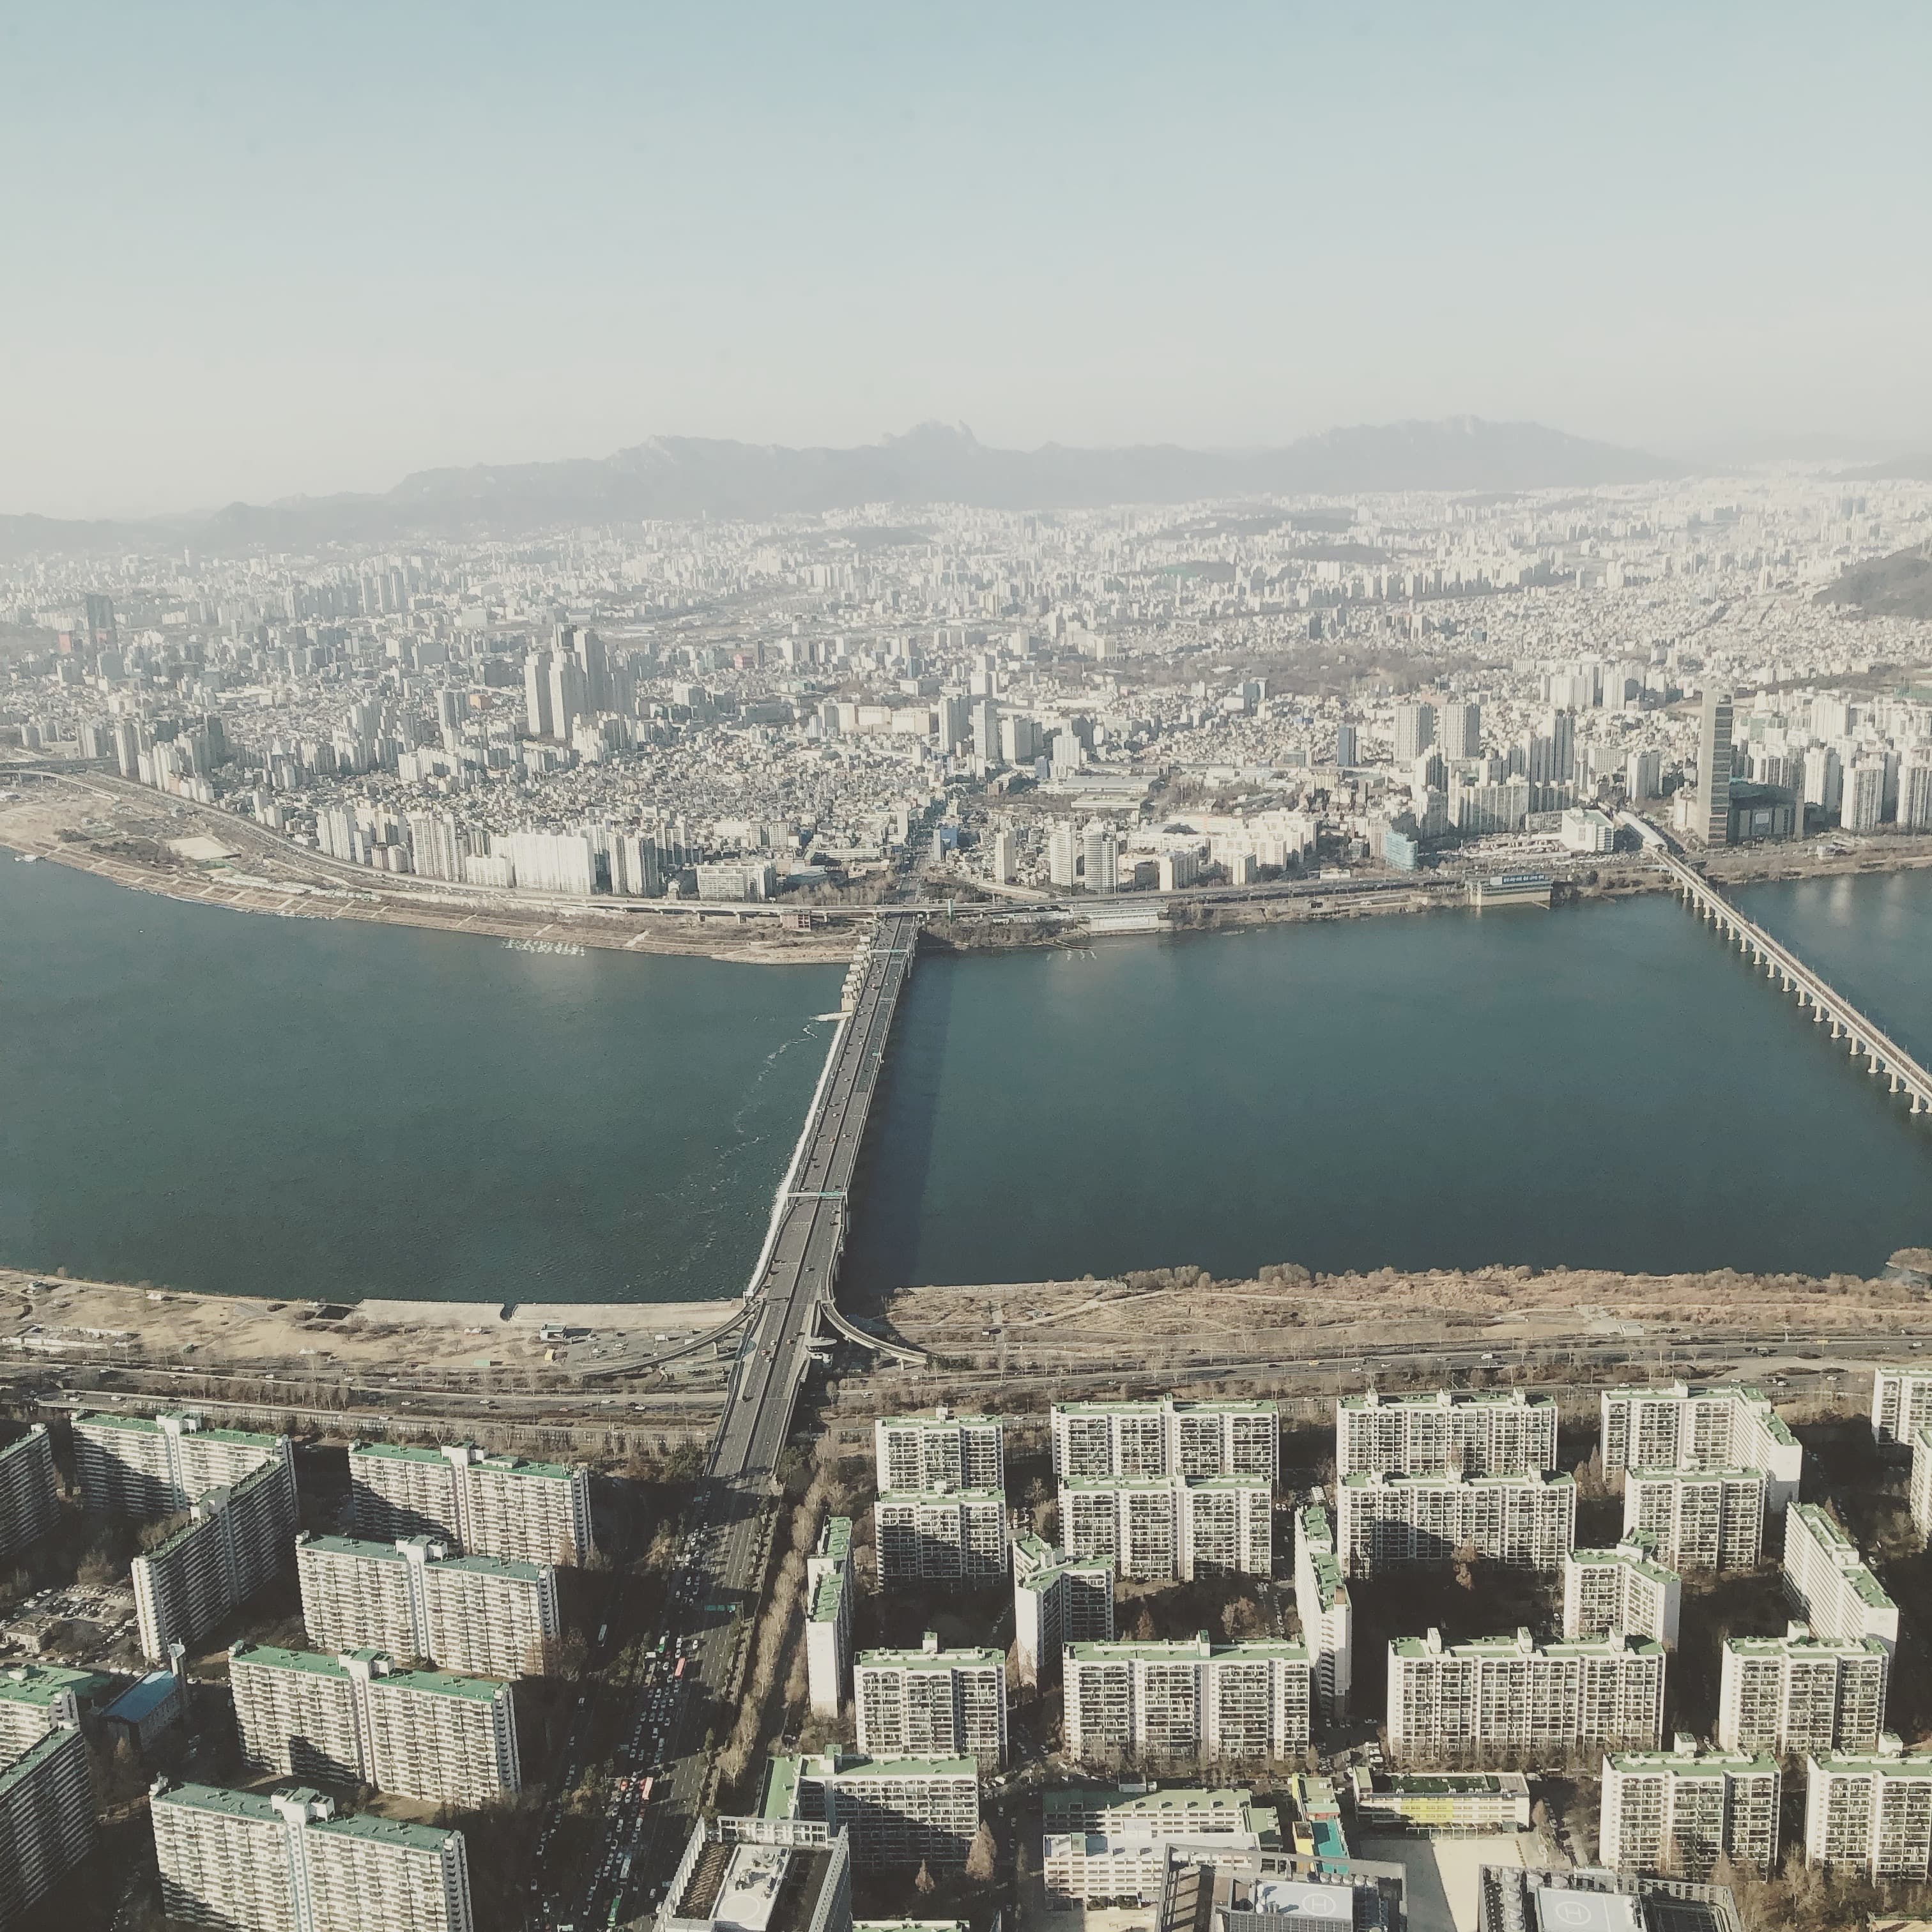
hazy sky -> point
(255, 249)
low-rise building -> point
(235, 1542)
(1104, 1847)
(1510, 1898)
(1157, 1527)
(1698, 1519)
(1901, 1405)
(155, 1465)
(1389, 1522)
(1162, 1437)
(1679, 1811)
(1870, 1811)
(1057, 1600)
(1622, 1587)
(1722, 1425)
(941, 1536)
(29, 1494)
(734, 1871)
(1480, 1433)
(828, 1616)
(1237, 1703)
(1829, 1583)
(1321, 1604)
(1440, 1803)
(46, 1818)
(1799, 1693)
(897, 1812)
(475, 1503)
(939, 1451)
(931, 1703)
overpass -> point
(1884, 1056)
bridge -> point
(1883, 1055)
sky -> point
(256, 250)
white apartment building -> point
(1155, 1527)
(828, 1616)
(1389, 1522)
(1870, 1812)
(931, 1703)
(940, 1534)
(237, 1542)
(46, 1818)
(1102, 1846)
(481, 1505)
(940, 1451)
(1901, 1405)
(899, 1813)
(1703, 1520)
(1829, 1586)
(361, 1720)
(480, 1616)
(1678, 1812)
(36, 1698)
(1800, 1693)
(247, 1862)
(1162, 1437)
(1515, 1693)
(1321, 1604)
(1478, 1432)
(157, 1465)
(1622, 1587)
(1236, 1703)
(1057, 1600)
(29, 1496)
(1921, 1482)
(1680, 1426)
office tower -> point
(1387, 1522)
(1162, 1437)
(248, 1862)
(1697, 1519)
(1461, 730)
(828, 1616)
(1348, 746)
(1714, 769)
(931, 1702)
(1827, 1583)
(29, 1499)
(1901, 1405)
(1479, 1433)
(1624, 1587)
(482, 1616)
(1058, 1599)
(46, 1818)
(586, 651)
(939, 1451)
(157, 1466)
(1559, 730)
(1321, 1604)
(235, 1542)
(1680, 1811)
(486, 1505)
(1238, 1703)
(361, 1719)
(1870, 1812)
(1513, 1692)
(537, 717)
(1152, 1527)
(1680, 1426)
(986, 732)
(99, 613)
(1643, 775)
(1102, 856)
(955, 725)
(940, 1534)
(899, 1812)
(1800, 1693)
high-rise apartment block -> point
(1701, 1519)
(29, 1496)
(1829, 1584)
(1153, 1527)
(1057, 1600)
(1680, 1426)
(1921, 1488)
(481, 1616)
(1871, 1812)
(237, 1541)
(1388, 1522)
(1623, 1587)
(482, 1505)
(940, 1534)
(37, 1698)
(940, 1451)
(899, 1813)
(1801, 1693)
(1321, 1604)
(1414, 731)
(1901, 1405)
(1235, 1703)
(362, 1719)
(1513, 1692)
(1713, 822)
(1165, 1438)
(46, 1818)
(246, 1861)
(1478, 1433)
(828, 1616)
(158, 1465)
(1680, 1811)
(931, 1702)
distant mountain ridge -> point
(1898, 585)
(689, 476)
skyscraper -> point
(1414, 731)
(1461, 730)
(1714, 769)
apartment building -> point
(941, 1535)
(1921, 1490)
(46, 1818)
(479, 1505)
(931, 1703)
(1799, 1693)
(153, 1466)
(899, 1813)
(1102, 1846)
(481, 1616)
(1622, 1587)
(1321, 1604)
(1679, 1811)
(245, 1861)
(828, 1616)
(29, 1493)
(1239, 1703)
(1391, 1522)
(1515, 1693)
(361, 1719)
(939, 1451)
(1901, 1405)
(236, 1542)
(1870, 1811)
(1474, 1431)
(1701, 1519)
(37, 1698)
(1827, 1583)
(1680, 1426)
(1057, 1600)
(1157, 1527)
(1162, 1437)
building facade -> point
(939, 1451)
(1679, 1812)
(1190, 1700)
(1443, 1803)
(29, 1493)
(941, 1535)
(46, 1818)
(1682, 1426)
(481, 1505)
(1921, 1488)
(1162, 1437)
(931, 1703)
(1870, 1812)
(1389, 1522)
(1057, 1600)
(1901, 1405)
(1321, 1604)
(1477, 1433)
(1701, 1519)
(1829, 1584)
(828, 1616)
(1799, 1692)
(1157, 1527)
(1622, 1587)
(237, 1542)
(899, 1813)
(149, 1466)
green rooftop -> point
(41, 1683)
(272, 1657)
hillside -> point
(1898, 586)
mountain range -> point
(690, 476)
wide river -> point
(215, 1100)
